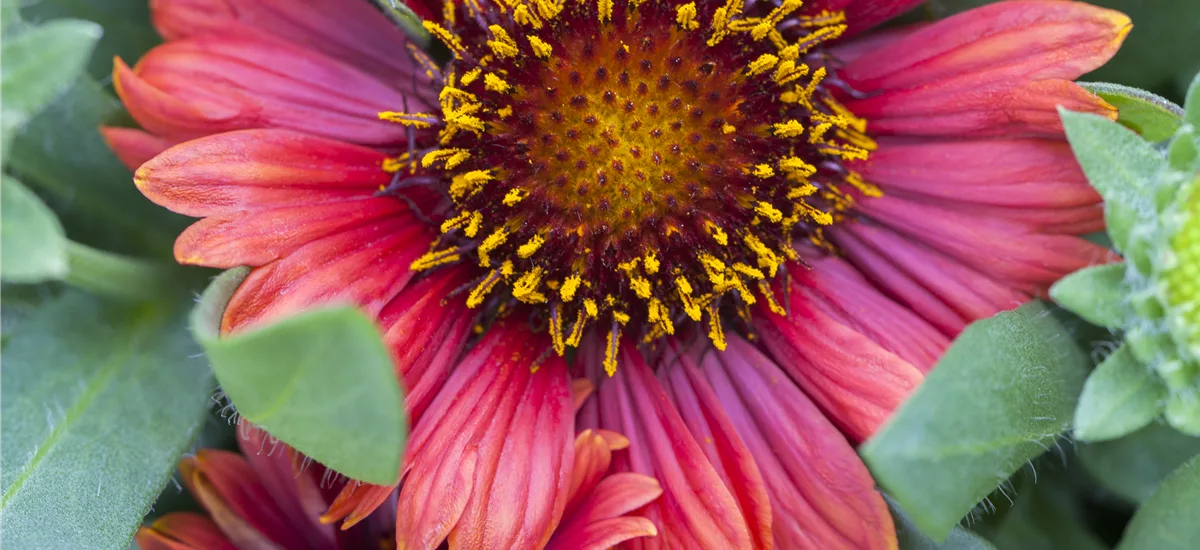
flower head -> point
(829, 206)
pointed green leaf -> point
(31, 239)
(1095, 293)
(1169, 519)
(1192, 103)
(1001, 395)
(1121, 396)
(321, 381)
(99, 400)
(1134, 465)
(1154, 117)
(39, 64)
(1119, 164)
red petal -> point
(359, 34)
(725, 450)
(133, 147)
(603, 534)
(235, 171)
(1007, 249)
(1016, 41)
(697, 509)
(258, 237)
(841, 292)
(211, 84)
(593, 455)
(182, 531)
(1030, 173)
(364, 267)
(296, 493)
(600, 521)
(966, 107)
(237, 500)
(489, 465)
(822, 494)
(939, 288)
(426, 331)
(855, 381)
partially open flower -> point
(605, 175)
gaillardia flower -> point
(829, 205)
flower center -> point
(634, 164)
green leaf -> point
(39, 64)
(127, 30)
(1119, 164)
(31, 239)
(1134, 465)
(1151, 115)
(99, 401)
(1121, 396)
(910, 537)
(1095, 293)
(61, 154)
(1168, 520)
(1192, 103)
(1001, 395)
(321, 381)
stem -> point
(120, 276)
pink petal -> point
(854, 380)
(696, 509)
(359, 35)
(210, 84)
(822, 495)
(251, 169)
(489, 465)
(376, 257)
(707, 422)
(133, 147)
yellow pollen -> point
(480, 292)
(764, 63)
(727, 128)
(788, 129)
(525, 289)
(651, 263)
(526, 250)
(495, 83)
(514, 196)
(540, 49)
(685, 15)
(569, 286)
(450, 158)
(416, 120)
(770, 212)
(610, 352)
(493, 240)
(503, 45)
(605, 11)
(763, 171)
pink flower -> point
(605, 176)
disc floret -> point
(630, 164)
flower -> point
(830, 205)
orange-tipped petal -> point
(489, 464)
(379, 254)
(593, 455)
(822, 494)
(210, 84)
(600, 521)
(292, 488)
(256, 169)
(581, 389)
(359, 34)
(1021, 40)
(697, 509)
(182, 531)
(998, 70)
(854, 380)
(133, 147)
